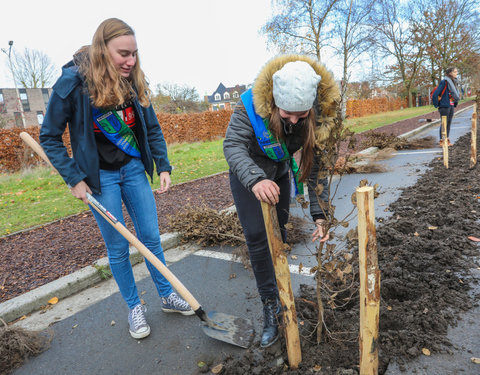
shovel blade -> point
(234, 330)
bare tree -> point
(175, 98)
(352, 27)
(178, 92)
(452, 34)
(397, 38)
(33, 69)
(300, 25)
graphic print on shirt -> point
(115, 125)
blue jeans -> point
(250, 214)
(130, 185)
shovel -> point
(228, 328)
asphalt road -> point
(91, 331)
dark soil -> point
(424, 258)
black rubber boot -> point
(271, 314)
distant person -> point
(445, 98)
(103, 97)
(291, 106)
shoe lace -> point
(138, 318)
(270, 312)
(177, 302)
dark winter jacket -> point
(445, 99)
(70, 104)
(245, 157)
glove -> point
(455, 104)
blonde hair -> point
(276, 127)
(107, 88)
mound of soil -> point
(424, 257)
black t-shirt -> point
(111, 157)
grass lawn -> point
(38, 196)
(34, 197)
(195, 160)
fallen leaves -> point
(475, 239)
(53, 301)
(426, 352)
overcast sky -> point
(193, 42)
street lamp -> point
(19, 101)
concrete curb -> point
(71, 284)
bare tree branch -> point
(33, 69)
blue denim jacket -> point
(70, 104)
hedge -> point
(188, 128)
(365, 107)
(177, 128)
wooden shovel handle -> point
(134, 241)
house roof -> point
(221, 89)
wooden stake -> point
(284, 284)
(445, 141)
(473, 155)
(369, 282)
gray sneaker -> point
(173, 303)
(138, 326)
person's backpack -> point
(439, 96)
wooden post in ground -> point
(369, 282)
(445, 141)
(473, 155)
(284, 284)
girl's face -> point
(123, 51)
(293, 117)
(454, 73)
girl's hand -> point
(319, 231)
(267, 191)
(165, 182)
(80, 191)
